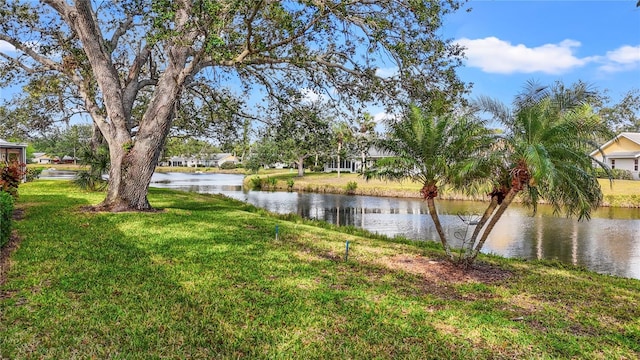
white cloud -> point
(493, 55)
(387, 72)
(621, 59)
(382, 117)
(308, 95)
(6, 47)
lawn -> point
(206, 277)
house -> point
(69, 160)
(176, 161)
(214, 161)
(13, 152)
(43, 158)
(219, 159)
(621, 152)
(353, 163)
(10, 152)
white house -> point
(353, 163)
(212, 161)
(621, 152)
(43, 158)
(219, 159)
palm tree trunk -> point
(436, 221)
(492, 223)
(487, 214)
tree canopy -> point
(130, 61)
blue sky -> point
(511, 42)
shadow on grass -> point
(109, 285)
(206, 278)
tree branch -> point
(17, 63)
(46, 62)
(121, 30)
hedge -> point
(6, 214)
(618, 174)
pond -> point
(609, 243)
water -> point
(609, 243)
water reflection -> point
(609, 243)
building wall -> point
(625, 164)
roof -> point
(624, 155)
(222, 156)
(6, 144)
(632, 136)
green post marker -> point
(276, 232)
(346, 253)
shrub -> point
(228, 165)
(351, 187)
(98, 162)
(271, 182)
(290, 184)
(33, 173)
(6, 213)
(256, 183)
(618, 174)
(11, 176)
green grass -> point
(206, 278)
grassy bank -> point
(622, 193)
(207, 278)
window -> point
(635, 165)
(613, 163)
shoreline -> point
(329, 183)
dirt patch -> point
(438, 271)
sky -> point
(510, 42)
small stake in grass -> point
(276, 232)
(346, 253)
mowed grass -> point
(206, 277)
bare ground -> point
(441, 271)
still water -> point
(609, 243)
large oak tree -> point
(124, 55)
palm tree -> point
(365, 134)
(548, 136)
(436, 150)
(343, 134)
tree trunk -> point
(133, 156)
(492, 223)
(436, 221)
(486, 216)
(339, 149)
(129, 179)
(301, 167)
